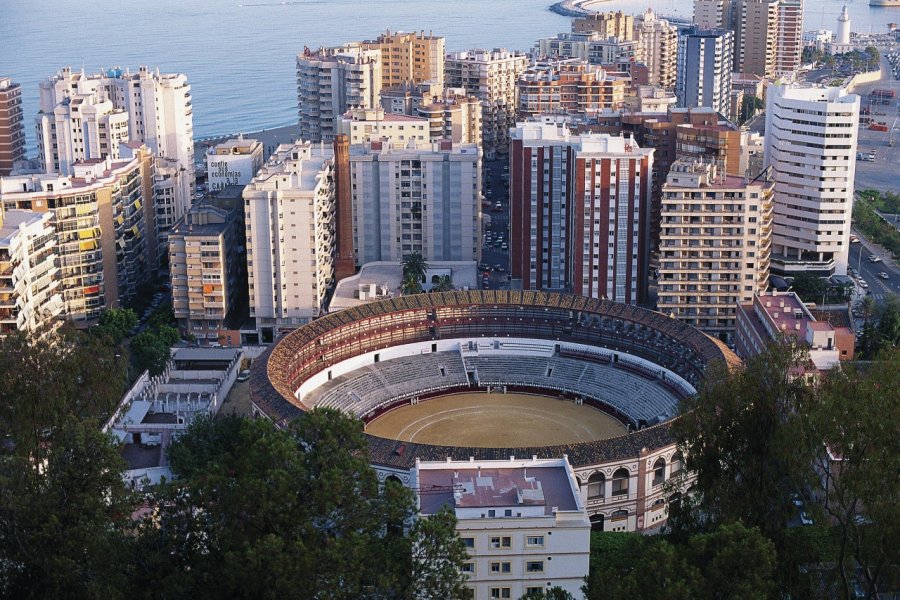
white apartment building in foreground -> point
(289, 215)
(523, 522)
(29, 297)
(811, 138)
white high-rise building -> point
(289, 213)
(331, 81)
(490, 76)
(704, 69)
(410, 198)
(811, 137)
(233, 162)
(86, 117)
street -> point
(496, 186)
(868, 272)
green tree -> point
(889, 321)
(867, 305)
(163, 315)
(854, 425)
(735, 562)
(414, 265)
(737, 442)
(554, 593)
(149, 352)
(117, 323)
(257, 508)
(64, 520)
(810, 288)
(411, 285)
(48, 380)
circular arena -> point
(494, 374)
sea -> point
(239, 54)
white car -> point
(804, 519)
(243, 375)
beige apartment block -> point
(608, 24)
(715, 244)
(490, 76)
(756, 37)
(99, 216)
(568, 86)
(410, 58)
(657, 48)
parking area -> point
(879, 102)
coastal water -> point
(239, 54)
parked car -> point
(243, 375)
(884, 275)
(804, 519)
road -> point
(496, 189)
(868, 272)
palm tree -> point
(415, 265)
(411, 284)
(868, 307)
(443, 284)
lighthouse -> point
(842, 37)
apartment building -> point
(12, 129)
(714, 14)
(410, 58)
(84, 117)
(607, 24)
(580, 212)
(811, 138)
(523, 522)
(407, 199)
(29, 287)
(490, 76)
(330, 81)
(99, 216)
(289, 217)
(704, 69)
(714, 246)
(568, 86)
(657, 48)
(233, 162)
(207, 270)
(789, 45)
(455, 117)
(594, 48)
(756, 37)
(362, 125)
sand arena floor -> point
(495, 420)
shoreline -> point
(575, 8)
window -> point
(501, 542)
(534, 590)
(620, 482)
(659, 471)
(468, 542)
(534, 566)
(534, 540)
(498, 592)
(596, 486)
(468, 568)
(676, 464)
(501, 567)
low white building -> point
(523, 522)
(233, 162)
